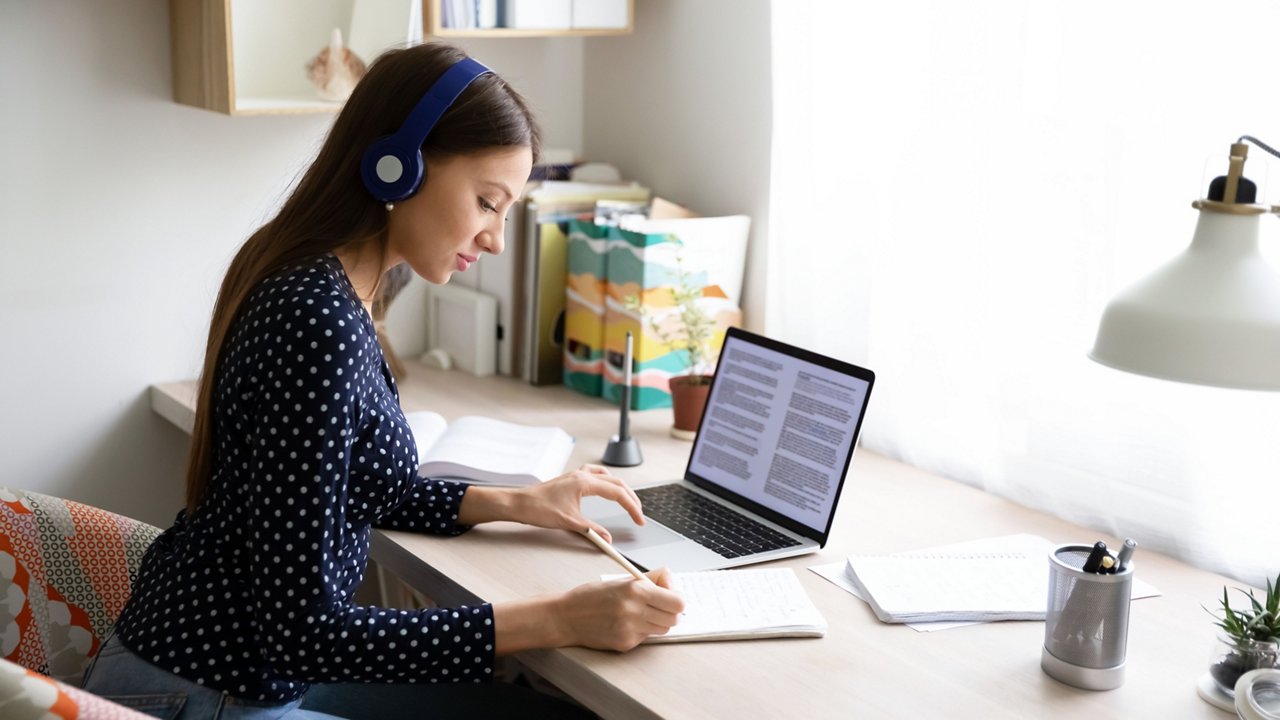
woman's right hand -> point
(619, 614)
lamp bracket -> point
(1234, 208)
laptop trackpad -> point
(650, 545)
(626, 534)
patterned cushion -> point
(26, 694)
(66, 570)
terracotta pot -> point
(688, 398)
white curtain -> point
(959, 188)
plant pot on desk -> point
(1234, 657)
(688, 398)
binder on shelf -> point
(549, 246)
(550, 208)
(584, 307)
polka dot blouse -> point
(253, 594)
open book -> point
(742, 605)
(484, 450)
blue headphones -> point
(392, 167)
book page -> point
(739, 604)
(488, 450)
(427, 427)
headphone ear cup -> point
(391, 171)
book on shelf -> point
(741, 605)
(489, 451)
(546, 250)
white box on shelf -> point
(599, 14)
(463, 323)
(540, 14)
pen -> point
(1094, 562)
(609, 550)
(1126, 553)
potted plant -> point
(1249, 639)
(688, 331)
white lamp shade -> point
(1211, 316)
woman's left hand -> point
(556, 503)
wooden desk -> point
(862, 668)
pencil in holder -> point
(1086, 626)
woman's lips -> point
(464, 262)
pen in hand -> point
(609, 550)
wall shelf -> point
(248, 57)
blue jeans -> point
(119, 675)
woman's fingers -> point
(619, 494)
(659, 617)
(601, 531)
(660, 577)
(602, 473)
(661, 597)
(655, 629)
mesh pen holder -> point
(1086, 627)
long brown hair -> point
(330, 206)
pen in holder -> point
(1086, 627)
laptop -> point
(766, 467)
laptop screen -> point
(779, 429)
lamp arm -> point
(1260, 144)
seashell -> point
(335, 70)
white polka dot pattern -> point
(253, 595)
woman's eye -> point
(487, 206)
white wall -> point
(683, 105)
(119, 210)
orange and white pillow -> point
(65, 575)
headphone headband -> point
(392, 168)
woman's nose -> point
(492, 239)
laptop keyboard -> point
(708, 523)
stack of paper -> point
(1004, 582)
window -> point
(959, 188)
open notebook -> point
(741, 605)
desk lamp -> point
(1210, 316)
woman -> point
(300, 447)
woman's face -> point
(459, 212)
